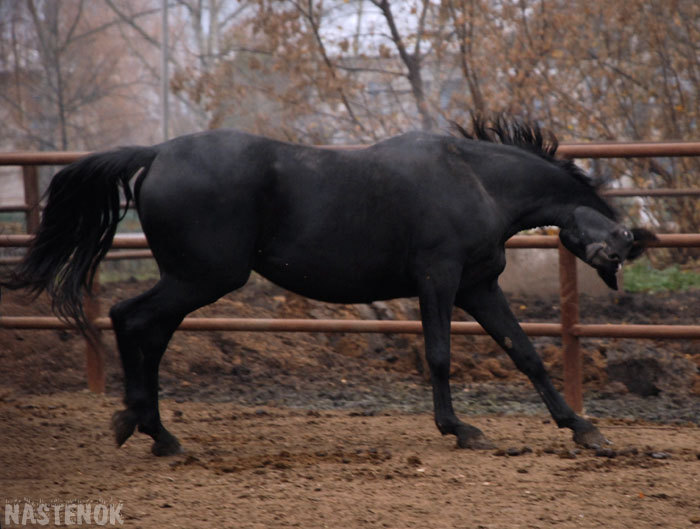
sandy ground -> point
(279, 467)
(313, 430)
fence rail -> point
(138, 241)
(642, 149)
(570, 329)
(372, 326)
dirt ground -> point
(279, 467)
(315, 430)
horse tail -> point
(76, 231)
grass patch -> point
(640, 276)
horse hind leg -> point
(143, 327)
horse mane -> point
(525, 135)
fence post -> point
(568, 295)
(30, 175)
(94, 349)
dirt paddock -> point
(314, 430)
(249, 467)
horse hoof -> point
(473, 438)
(123, 424)
(167, 445)
(591, 438)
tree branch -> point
(412, 63)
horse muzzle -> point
(606, 263)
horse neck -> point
(544, 201)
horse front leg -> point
(436, 301)
(488, 306)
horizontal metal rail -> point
(119, 255)
(26, 158)
(349, 326)
(610, 330)
(136, 241)
(370, 326)
(280, 325)
(657, 192)
(632, 149)
(640, 149)
(613, 193)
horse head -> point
(603, 243)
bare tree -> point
(60, 96)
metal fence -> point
(569, 329)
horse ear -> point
(642, 238)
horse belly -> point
(335, 280)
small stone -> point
(606, 452)
(659, 455)
(567, 454)
(414, 461)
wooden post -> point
(30, 175)
(95, 349)
(573, 362)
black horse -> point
(419, 214)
